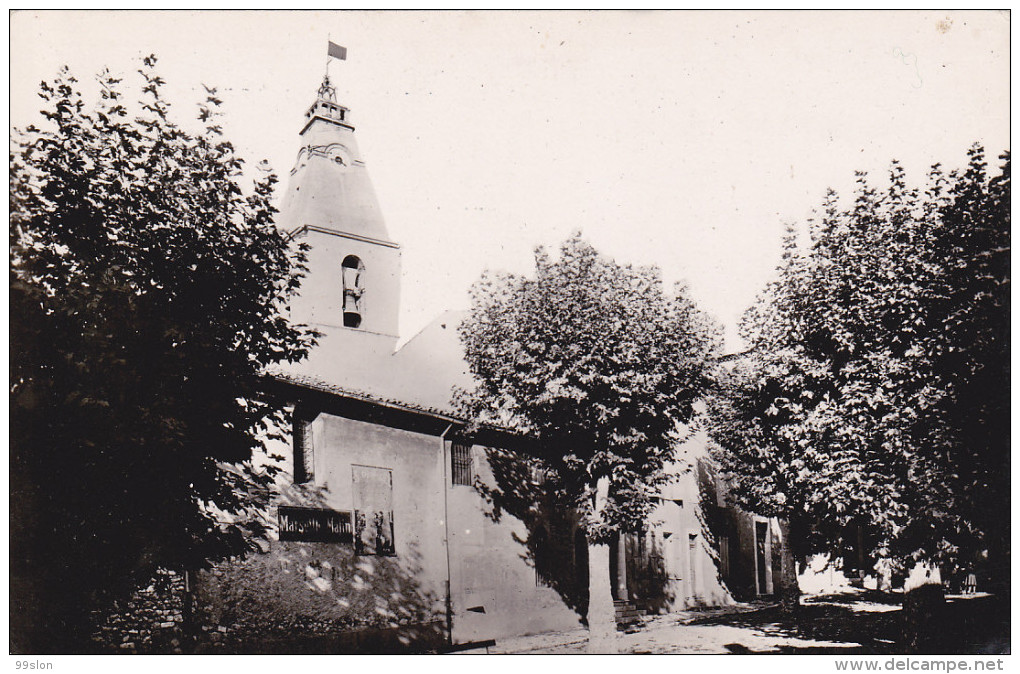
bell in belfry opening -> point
(353, 271)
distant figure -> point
(970, 585)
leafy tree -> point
(593, 360)
(148, 290)
(873, 405)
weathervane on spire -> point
(327, 91)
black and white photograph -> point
(509, 332)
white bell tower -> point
(351, 292)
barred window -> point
(460, 457)
(304, 453)
(542, 556)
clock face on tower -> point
(335, 152)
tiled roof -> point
(317, 384)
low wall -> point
(150, 621)
(316, 598)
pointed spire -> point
(329, 185)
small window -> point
(542, 557)
(693, 560)
(353, 279)
(304, 452)
(460, 458)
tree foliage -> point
(148, 293)
(597, 363)
(876, 391)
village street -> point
(854, 623)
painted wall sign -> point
(315, 524)
(373, 511)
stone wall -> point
(150, 621)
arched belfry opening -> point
(353, 271)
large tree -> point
(872, 410)
(599, 365)
(148, 293)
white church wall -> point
(497, 591)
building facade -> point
(383, 531)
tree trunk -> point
(601, 613)
(787, 587)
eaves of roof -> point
(308, 382)
(420, 418)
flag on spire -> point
(337, 52)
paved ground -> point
(675, 633)
(852, 623)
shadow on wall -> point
(556, 546)
(647, 576)
(719, 527)
(528, 490)
(303, 597)
(656, 585)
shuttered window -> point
(724, 557)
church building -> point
(382, 541)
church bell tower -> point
(351, 292)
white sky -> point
(683, 139)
